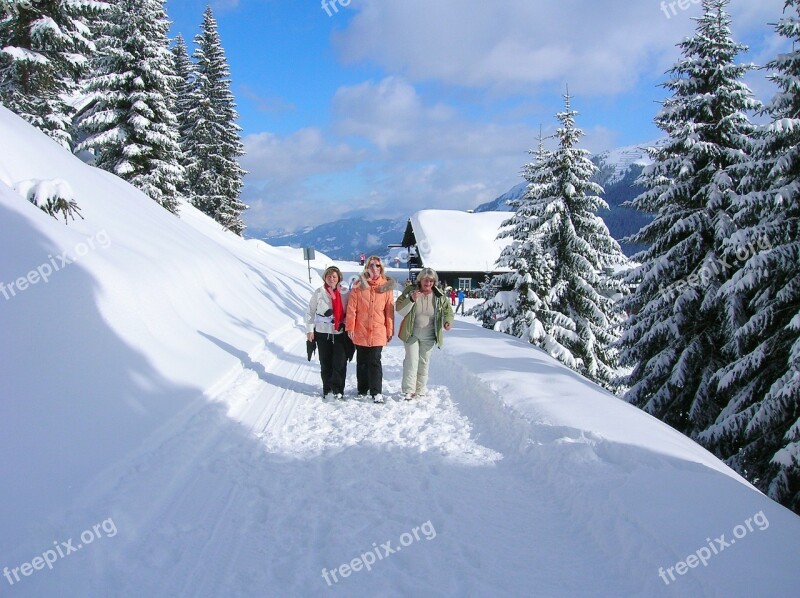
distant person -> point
(452, 296)
(361, 259)
(460, 301)
(370, 324)
(325, 320)
(396, 261)
(426, 313)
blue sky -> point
(386, 107)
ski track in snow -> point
(267, 483)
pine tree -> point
(213, 138)
(44, 49)
(562, 299)
(757, 431)
(485, 311)
(129, 124)
(675, 336)
(529, 267)
(183, 92)
(493, 312)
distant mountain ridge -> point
(345, 239)
(617, 172)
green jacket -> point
(442, 312)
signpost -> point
(308, 255)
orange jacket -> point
(370, 312)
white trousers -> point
(415, 365)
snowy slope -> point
(163, 436)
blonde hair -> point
(369, 260)
(427, 273)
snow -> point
(24, 54)
(38, 191)
(622, 158)
(450, 240)
(163, 435)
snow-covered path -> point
(260, 489)
(278, 400)
(298, 484)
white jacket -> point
(319, 305)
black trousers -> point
(333, 361)
(369, 371)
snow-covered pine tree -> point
(44, 49)
(757, 432)
(128, 123)
(490, 310)
(562, 249)
(52, 196)
(529, 275)
(183, 92)
(674, 338)
(213, 138)
(493, 311)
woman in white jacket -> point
(325, 319)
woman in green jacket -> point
(426, 313)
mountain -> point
(342, 239)
(164, 435)
(500, 204)
(345, 239)
(617, 171)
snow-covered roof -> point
(451, 240)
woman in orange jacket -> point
(370, 324)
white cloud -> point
(289, 206)
(427, 154)
(387, 114)
(292, 180)
(303, 153)
(602, 47)
(393, 117)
